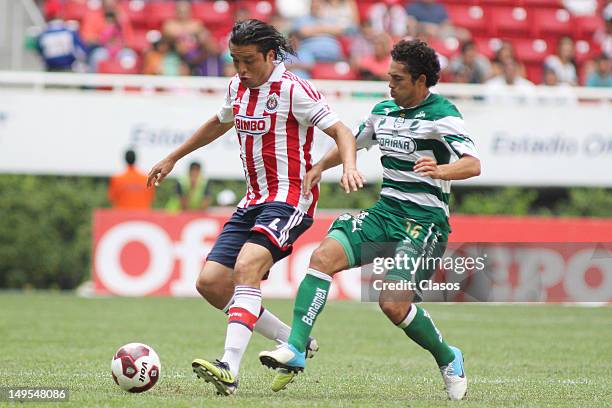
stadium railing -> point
(332, 89)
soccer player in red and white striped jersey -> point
(274, 113)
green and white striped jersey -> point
(433, 128)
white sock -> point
(243, 315)
(272, 327)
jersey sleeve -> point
(226, 111)
(310, 108)
(365, 136)
(452, 130)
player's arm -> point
(208, 132)
(464, 168)
(453, 132)
(345, 145)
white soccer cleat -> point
(311, 347)
(454, 377)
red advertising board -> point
(155, 253)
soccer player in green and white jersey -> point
(424, 146)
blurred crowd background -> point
(516, 42)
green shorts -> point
(360, 235)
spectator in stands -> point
(375, 67)
(432, 18)
(510, 76)
(183, 25)
(558, 92)
(290, 10)
(163, 59)
(96, 22)
(362, 45)
(318, 34)
(603, 37)
(345, 13)
(498, 88)
(111, 42)
(471, 66)
(563, 63)
(203, 59)
(389, 16)
(59, 45)
(299, 63)
(601, 76)
(505, 54)
(192, 192)
(128, 190)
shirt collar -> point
(278, 72)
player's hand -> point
(428, 167)
(352, 180)
(311, 179)
(159, 172)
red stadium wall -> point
(160, 254)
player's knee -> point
(205, 285)
(322, 260)
(246, 273)
(213, 289)
(394, 310)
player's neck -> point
(416, 101)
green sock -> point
(309, 303)
(422, 330)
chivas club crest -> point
(272, 103)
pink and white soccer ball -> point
(136, 367)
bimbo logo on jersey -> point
(252, 125)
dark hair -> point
(418, 58)
(467, 45)
(130, 157)
(195, 166)
(264, 36)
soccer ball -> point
(135, 367)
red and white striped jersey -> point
(275, 126)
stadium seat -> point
(159, 11)
(364, 9)
(333, 70)
(217, 16)
(532, 51)
(542, 3)
(498, 3)
(346, 42)
(551, 22)
(113, 66)
(509, 21)
(487, 46)
(448, 47)
(472, 18)
(260, 9)
(137, 13)
(73, 10)
(586, 26)
(139, 41)
(534, 72)
(585, 51)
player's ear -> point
(270, 56)
(421, 80)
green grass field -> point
(515, 355)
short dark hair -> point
(130, 157)
(467, 45)
(419, 59)
(264, 36)
(195, 166)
